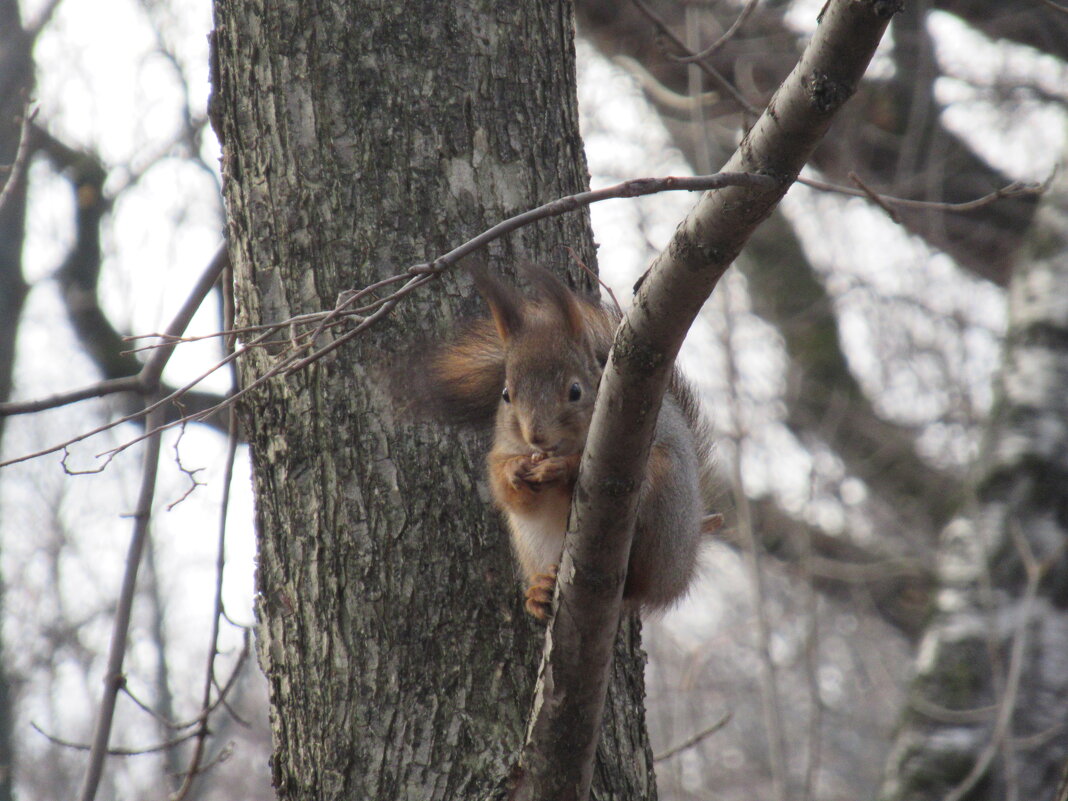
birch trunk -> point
(993, 658)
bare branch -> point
(874, 198)
(138, 415)
(693, 740)
(812, 669)
(202, 730)
(97, 390)
(113, 678)
(147, 380)
(148, 749)
(22, 155)
(44, 16)
(717, 45)
(194, 482)
(153, 369)
(769, 686)
(694, 58)
(1016, 189)
(636, 187)
(1055, 6)
(416, 276)
(557, 759)
(661, 95)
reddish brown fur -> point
(538, 349)
(520, 483)
(539, 595)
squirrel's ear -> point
(505, 303)
(565, 301)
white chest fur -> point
(538, 536)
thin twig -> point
(812, 669)
(690, 742)
(205, 413)
(242, 657)
(416, 276)
(44, 16)
(224, 754)
(419, 274)
(161, 719)
(594, 276)
(709, 70)
(1012, 190)
(22, 155)
(113, 678)
(874, 198)
(224, 689)
(1056, 6)
(937, 712)
(194, 482)
(717, 45)
(659, 94)
(202, 730)
(124, 752)
(110, 386)
(147, 380)
(153, 369)
(769, 695)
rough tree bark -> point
(987, 715)
(360, 138)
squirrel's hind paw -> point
(539, 598)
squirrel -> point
(533, 369)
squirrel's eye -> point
(505, 396)
(575, 392)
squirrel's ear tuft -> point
(563, 299)
(505, 303)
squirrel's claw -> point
(539, 598)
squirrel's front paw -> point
(520, 473)
(533, 474)
(539, 601)
(548, 469)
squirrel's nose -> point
(539, 440)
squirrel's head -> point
(551, 363)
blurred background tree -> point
(891, 426)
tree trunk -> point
(16, 84)
(359, 139)
(992, 659)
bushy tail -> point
(458, 382)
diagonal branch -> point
(147, 379)
(946, 169)
(113, 677)
(79, 275)
(557, 759)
